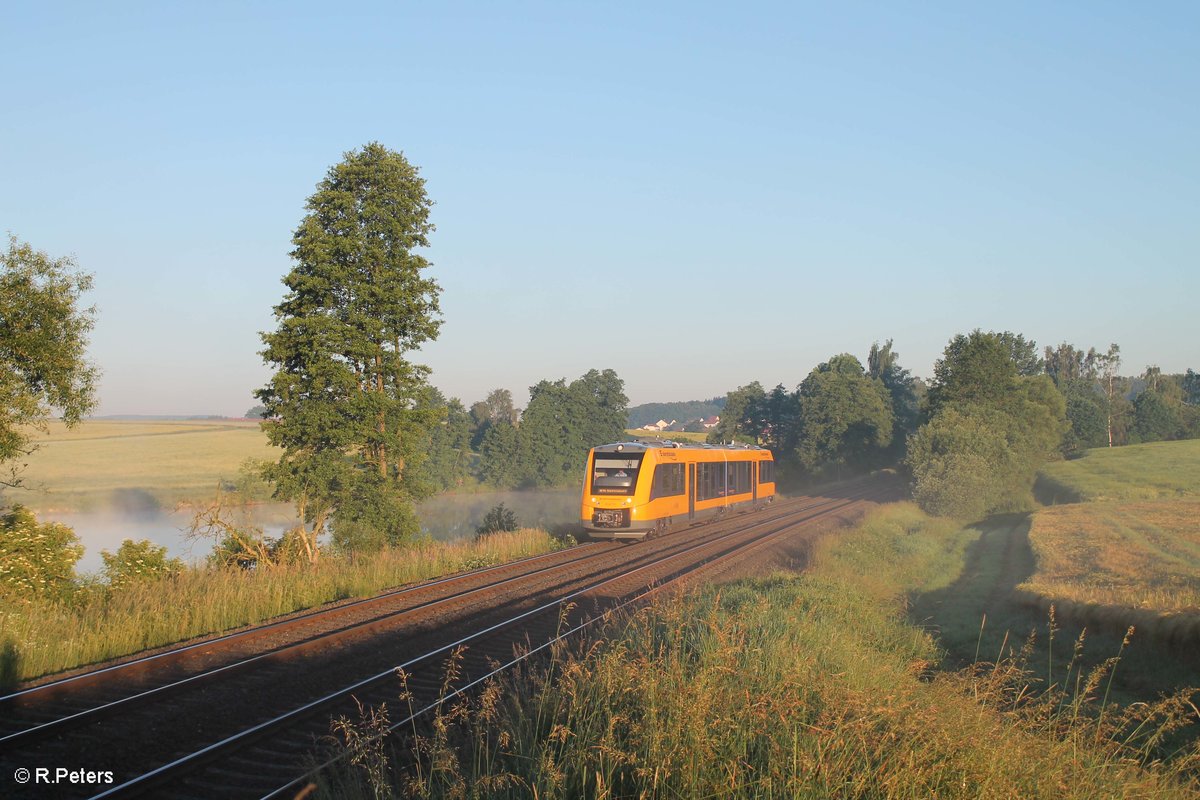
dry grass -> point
(1143, 556)
(101, 463)
(100, 623)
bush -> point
(498, 519)
(138, 561)
(37, 561)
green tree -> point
(343, 403)
(37, 560)
(449, 444)
(994, 423)
(883, 364)
(137, 562)
(256, 412)
(977, 367)
(1023, 353)
(1191, 388)
(845, 417)
(498, 455)
(43, 343)
(742, 418)
(1087, 415)
(497, 407)
(563, 421)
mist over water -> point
(445, 517)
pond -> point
(445, 517)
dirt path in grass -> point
(979, 618)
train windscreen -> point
(615, 473)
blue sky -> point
(695, 195)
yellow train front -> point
(638, 489)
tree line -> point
(973, 436)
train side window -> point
(766, 472)
(668, 481)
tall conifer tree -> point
(343, 400)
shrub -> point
(498, 519)
(37, 561)
(138, 561)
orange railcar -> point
(633, 490)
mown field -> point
(135, 465)
(1128, 551)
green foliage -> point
(992, 427)
(448, 454)
(976, 368)
(498, 518)
(498, 455)
(1086, 415)
(43, 344)
(742, 417)
(496, 408)
(343, 402)
(37, 561)
(1191, 388)
(845, 417)
(1156, 418)
(883, 364)
(256, 412)
(562, 423)
(961, 462)
(136, 562)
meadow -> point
(677, 436)
(1160, 470)
(127, 465)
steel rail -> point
(167, 772)
(44, 729)
(280, 792)
(259, 630)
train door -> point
(691, 490)
(754, 480)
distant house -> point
(661, 425)
(710, 422)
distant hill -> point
(682, 411)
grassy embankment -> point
(134, 465)
(810, 685)
(98, 623)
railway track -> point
(234, 716)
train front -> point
(611, 492)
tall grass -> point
(101, 623)
(791, 686)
